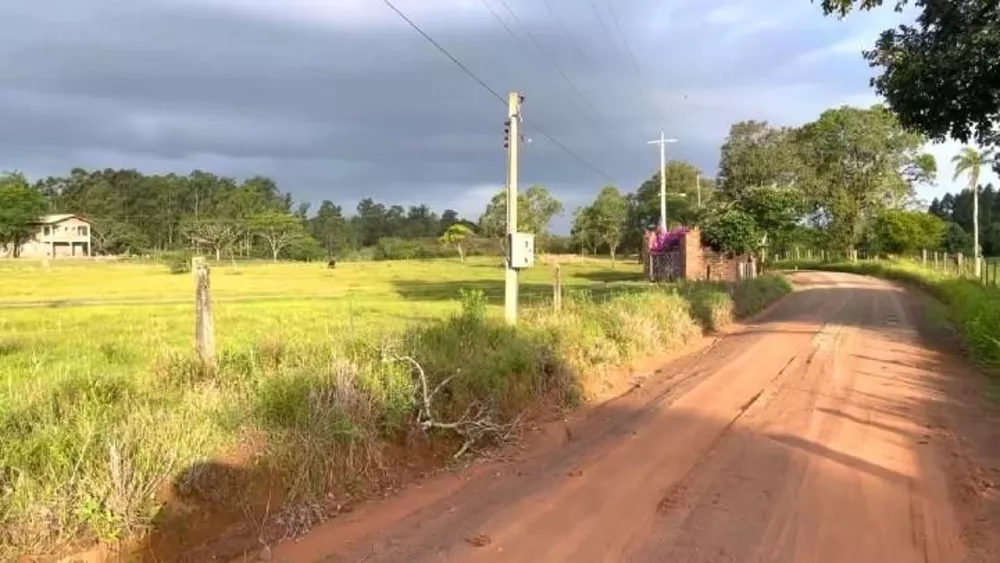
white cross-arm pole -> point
(662, 141)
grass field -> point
(114, 318)
(102, 403)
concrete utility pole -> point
(697, 185)
(662, 141)
(513, 143)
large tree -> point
(277, 230)
(775, 210)
(329, 227)
(682, 182)
(609, 214)
(756, 154)
(939, 75)
(585, 231)
(898, 231)
(116, 237)
(536, 207)
(728, 228)
(856, 160)
(218, 234)
(20, 206)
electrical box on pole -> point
(521, 250)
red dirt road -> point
(830, 430)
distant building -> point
(58, 236)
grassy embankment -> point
(106, 418)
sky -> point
(342, 99)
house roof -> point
(58, 218)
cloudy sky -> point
(341, 99)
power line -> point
(565, 32)
(604, 26)
(487, 87)
(541, 50)
(455, 60)
(497, 17)
(641, 81)
(579, 159)
(618, 28)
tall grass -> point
(90, 456)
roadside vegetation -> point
(107, 418)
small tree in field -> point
(278, 230)
(216, 234)
(610, 211)
(459, 236)
(585, 231)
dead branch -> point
(473, 426)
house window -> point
(46, 230)
(81, 230)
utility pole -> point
(975, 230)
(512, 143)
(697, 183)
(662, 141)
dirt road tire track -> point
(827, 431)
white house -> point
(58, 236)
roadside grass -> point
(972, 306)
(106, 417)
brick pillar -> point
(693, 267)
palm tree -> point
(970, 161)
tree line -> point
(844, 181)
(826, 184)
(834, 184)
(132, 212)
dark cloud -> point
(343, 100)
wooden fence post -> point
(557, 290)
(204, 327)
(923, 257)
